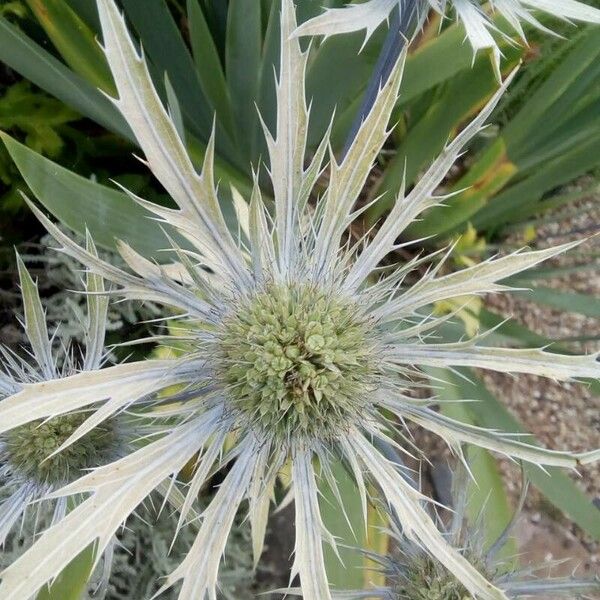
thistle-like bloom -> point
(29, 467)
(478, 24)
(411, 574)
(294, 351)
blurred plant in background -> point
(58, 274)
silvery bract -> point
(478, 24)
(295, 344)
(29, 468)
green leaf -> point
(86, 10)
(555, 485)
(266, 101)
(487, 499)
(337, 74)
(528, 192)
(455, 102)
(550, 141)
(79, 203)
(75, 41)
(36, 64)
(568, 301)
(518, 215)
(555, 100)
(72, 582)
(208, 66)
(450, 55)
(350, 575)
(242, 65)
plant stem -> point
(401, 21)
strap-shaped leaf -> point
(80, 203)
(39, 66)
(243, 49)
(74, 40)
(208, 66)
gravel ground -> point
(560, 415)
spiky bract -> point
(42, 455)
(428, 582)
(477, 20)
(412, 574)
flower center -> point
(29, 446)
(428, 580)
(297, 358)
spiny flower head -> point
(411, 574)
(29, 449)
(297, 359)
(478, 23)
(294, 346)
(30, 465)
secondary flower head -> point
(477, 21)
(411, 574)
(30, 468)
(293, 347)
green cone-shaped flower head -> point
(298, 360)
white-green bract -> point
(296, 344)
(478, 25)
(29, 469)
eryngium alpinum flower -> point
(294, 350)
(30, 466)
(478, 24)
(411, 574)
